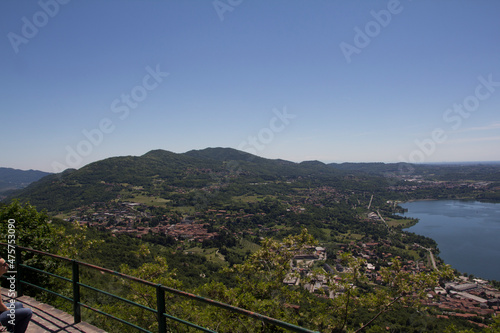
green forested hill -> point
(166, 174)
(225, 173)
(103, 180)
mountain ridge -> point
(180, 176)
(159, 171)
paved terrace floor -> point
(47, 319)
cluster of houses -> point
(126, 218)
(472, 300)
(416, 183)
(301, 268)
(189, 230)
(135, 219)
(110, 213)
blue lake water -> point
(467, 233)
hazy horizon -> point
(345, 81)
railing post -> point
(18, 269)
(160, 307)
(76, 292)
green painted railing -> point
(160, 295)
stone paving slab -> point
(47, 319)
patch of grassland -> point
(249, 246)
(348, 237)
(403, 223)
(148, 200)
(326, 232)
(211, 254)
(251, 198)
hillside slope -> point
(169, 176)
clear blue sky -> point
(335, 81)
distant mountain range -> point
(14, 179)
(166, 174)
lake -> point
(467, 233)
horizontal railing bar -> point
(49, 291)
(173, 291)
(239, 310)
(45, 272)
(88, 265)
(133, 278)
(118, 297)
(41, 252)
(147, 308)
(140, 328)
(113, 317)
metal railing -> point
(161, 316)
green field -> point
(404, 223)
(349, 237)
(211, 254)
(326, 232)
(148, 200)
(246, 246)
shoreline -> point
(460, 272)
